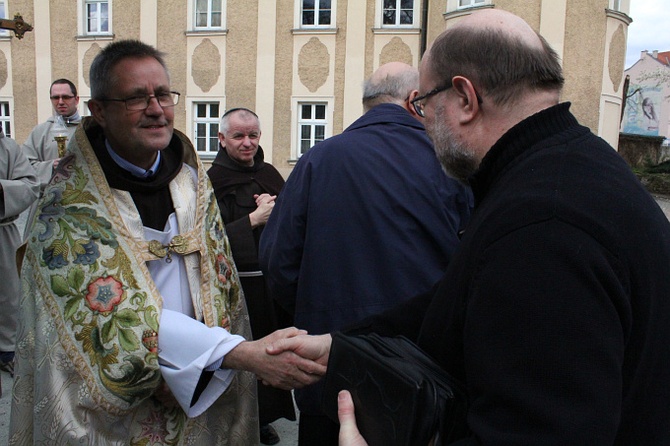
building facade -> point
(299, 64)
(647, 110)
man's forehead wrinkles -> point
(147, 90)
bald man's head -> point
(500, 53)
(514, 27)
(391, 83)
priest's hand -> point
(316, 348)
(286, 370)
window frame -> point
(6, 119)
(454, 7)
(85, 18)
(471, 3)
(415, 14)
(296, 151)
(3, 15)
(317, 9)
(209, 26)
(208, 121)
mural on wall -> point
(642, 110)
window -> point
(97, 17)
(466, 3)
(398, 12)
(311, 126)
(3, 15)
(208, 14)
(616, 5)
(316, 13)
(5, 119)
(206, 126)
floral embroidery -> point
(223, 268)
(153, 428)
(77, 243)
(51, 212)
(64, 169)
(103, 300)
(53, 260)
(87, 254)
(104, 294)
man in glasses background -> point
(41, 148)
(132, 326)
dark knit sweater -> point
(555, 310)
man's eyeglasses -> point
(65, 97)
(419, 103)
(137, 103)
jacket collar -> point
(386, 113)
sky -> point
(650, 29)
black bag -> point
(401, 396)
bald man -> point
(366, 219)
(555, 310)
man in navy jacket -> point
(366, 220)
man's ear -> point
(97, 111)
(222, 140)
(468, 100)
(408, 104)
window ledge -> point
(94, 37)
(206, 32)
(396, 30)
(314, 31)
(618, 15)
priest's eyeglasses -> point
(141, 102)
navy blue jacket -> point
(366, 220)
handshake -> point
(287, 359)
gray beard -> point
(457, 159)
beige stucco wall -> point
(583, 63)
(283, 85)
(171, 39)
(262, 62)
(24, 73)
(241, 47)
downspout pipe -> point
(424, 28)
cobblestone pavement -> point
(664, 203)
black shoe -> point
(7, 367)
(269, 435)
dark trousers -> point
(315, 430)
